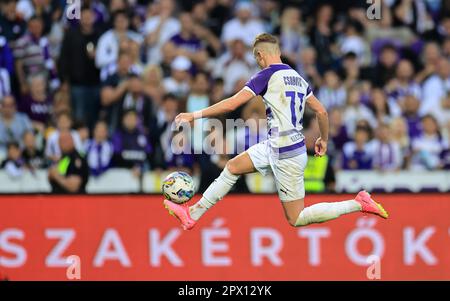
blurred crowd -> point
(115, 73)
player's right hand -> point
(320, 147)
(184, 118)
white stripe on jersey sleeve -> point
(250, 90)
(310, 94)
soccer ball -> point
(178, 187)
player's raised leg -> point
(299, 216)
(241, 164)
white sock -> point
(319, 213)
(215, 192)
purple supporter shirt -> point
(132, 147)
(340, 138)
(192, 44)
(36, 110)
(181, 160)
(414, 126)
(362, 157)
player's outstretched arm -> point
(222, 107)
(322, 118)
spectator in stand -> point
(107, 51)
(14, 164)
(338, 131)
(307, 67)
(12, 123)
(169, 53)
(384, 71)
(48, 11)
(379, 106)
(358, 154)
(33, 56)
(83, 132)
(234, 64)
(350, 70)
(431, 54)
(38, 104)
(217, 93)
(198, 99)
(412, 14)
(187, 43)
(134, 49)
(160, 26)
(243, 26)
(12, 25)
(152, 80)
(323, 37)
(131, 146)
(78, 70)
(436, 88)
(403, 83)
(71, 173)
(135, 99)
(411, 116)
(113, 90)
(399, 132)
(429, 146)
(178, 82)
(5, 83)
(445, 156)
(387, 154)
(355, 111)
(6, 67)
(161, 129)
(6, 56)
(32, 156)
(203, 31)
(99, 150)
(292, 31)
(177, 157)
(444, 114)
(332, 93)
(64, 123)
(353, 42)
(446, 47)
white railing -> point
(123, 181)
(414, 181)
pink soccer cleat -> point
(368, 205)
(181, 212)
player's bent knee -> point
(232, 167)
(292, 221)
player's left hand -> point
(320, 147)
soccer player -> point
(285, 94)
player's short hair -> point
(265, 38)
(267, 43)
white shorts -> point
(287, 172)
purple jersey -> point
(36, 110)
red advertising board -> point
(245, 237)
